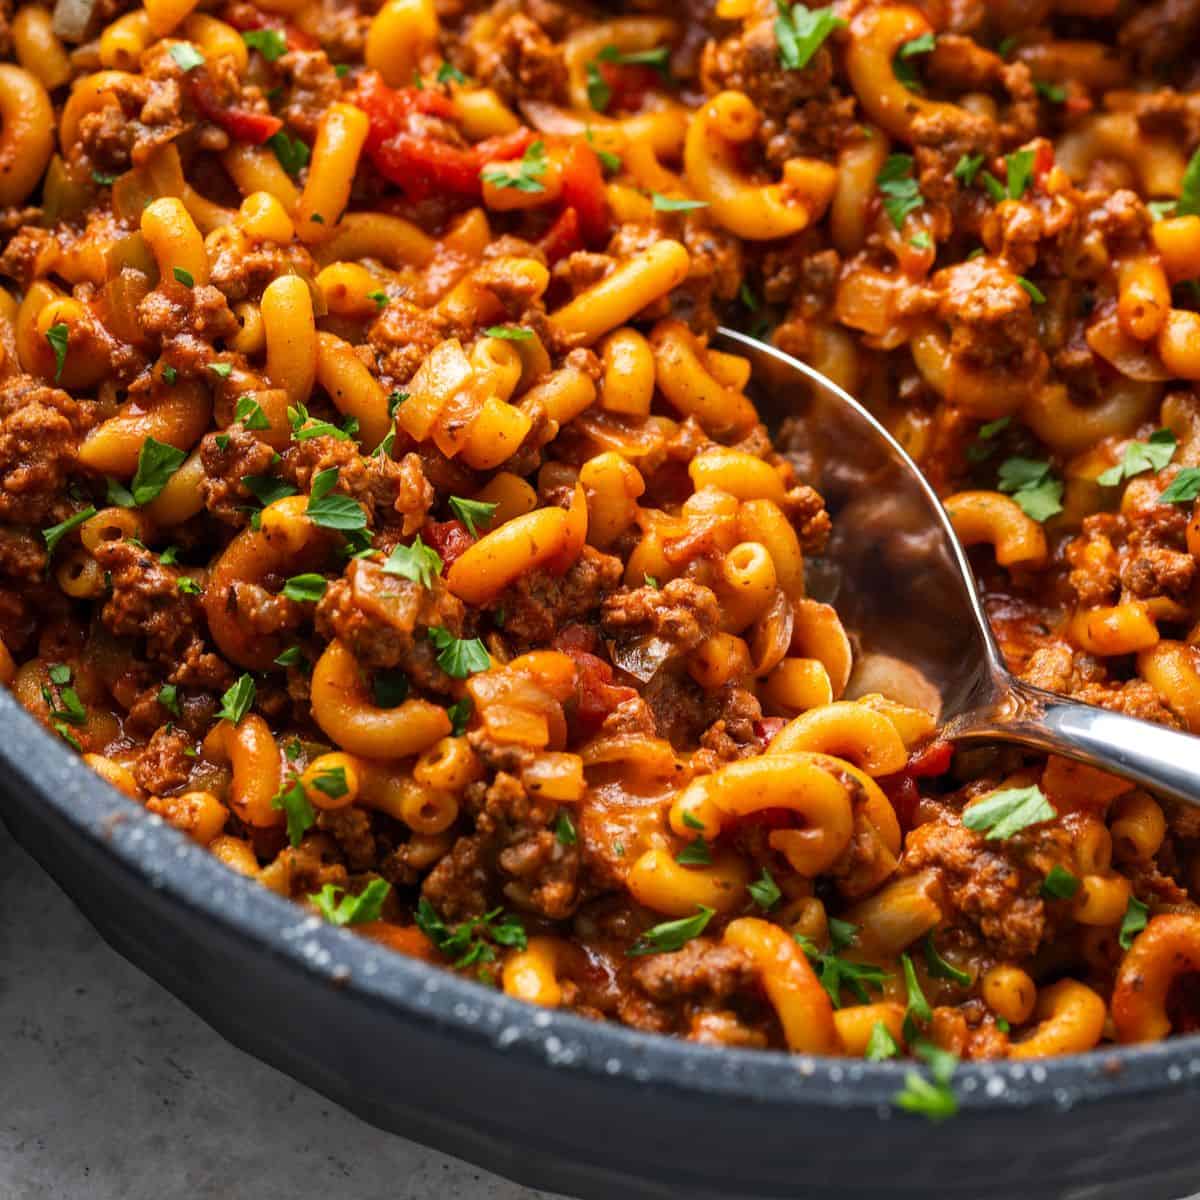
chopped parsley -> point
(188, 586)
(967, 168)
(168, 697)
(380, 297)
(1188, 203)
(338, 907)
(1034, 292)
(458, 657)
(103, 178)
(470, 942)
(1032, 485)
(329, 511)
(1059, 884)
(764, 891)
(55, 533)
(294, 802)
(156, 463)
(1151, 455)
(223, 370)
(747, 297)
(609, 161)
(525, 175)
(932, 1098)
(57, 335)
(270, 43)
(184, 277)
(460, 715)
(472, 513)
(1133, 922)
(599, 94)
(418, 562)
(564, 828)
(1008, 811)
(292, 153)
(801, 32)
(331, 782)
(921, 240)
(1019, 166)
(697, 853)
(509, 333)
(692, 821)
(266, 489)
(835, 972)
(939, 968)
(1185, 487)
(917, 1013)
(293, 656)
(983, 447)
(672, 935)
(663, 203)
(900, 191)
(449, 73)
(186, 56)
(902, 64)
(250, 413)
(1054, 92)
(236, 701)
(169, 375)
(880, 1045)
(307, 588)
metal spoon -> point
(903, 587)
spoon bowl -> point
(904, 588)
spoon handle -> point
(1161, 759)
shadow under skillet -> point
(111, 1089)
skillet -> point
(557, 1102)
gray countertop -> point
(110, 1089)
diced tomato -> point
(242, 124)
(901, 790)
(562, 238)
(595, 693)
(931, 759)
(449, 538)
(416, 162)
(1043, 158)
(583, 190)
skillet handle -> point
(1161, 759)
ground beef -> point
(459, 886)
(22, 556)
(351, 829)
(242, 269)
(539, 604)
(146, 603)
(173, 310)
(403, 336)
(1158, 35)
(39, 429)
(733, 734)
(228, 458)
(384, 620)
(519, 60)
(680, 616)
(985, 889)
(310, 86)
(703, 971)
(164, 764)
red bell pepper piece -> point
(583, 190)
(242, 124)
(562, 238)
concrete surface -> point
(110, 1089)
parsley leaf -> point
(184, 277)
(609, 161)
(836, 973)
(331, 782)
(236, 701)
(672, 935)
(697, 853)
(1133, 922)
(508, 333)
(187, 585)
(931, 1098)
(417, 562)
(525, 176)
(801, 33)
(340, 908)
(1032, 485)
(333, 512)
(903, 68)
(306, 588)
(1034, 292)
(458, 657)
(186, 56)
(1020, 172)
(901, 192)
(764, 891)
(917, 1013)
(220, 369)
(294, 801)
(168, 697)
(599, 94)
(939, 968)
(292, 153)
(466, 944)
(104, 179)
(250, 413)
(266, 489)
(1185, 487)
(967, 168)
(270, 43)
(460, 715)
(1054, 92)
(881, 1045)
(449, 73)
(169, 375)
(1141, 456)
(1008, 811)
(564, 828)
(57, 335)
(55, 533)
(1188, 203)
(293, 656)
(472, 513)
(663, 203)
(157, 462)
(993, 187)
(1059, 884)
